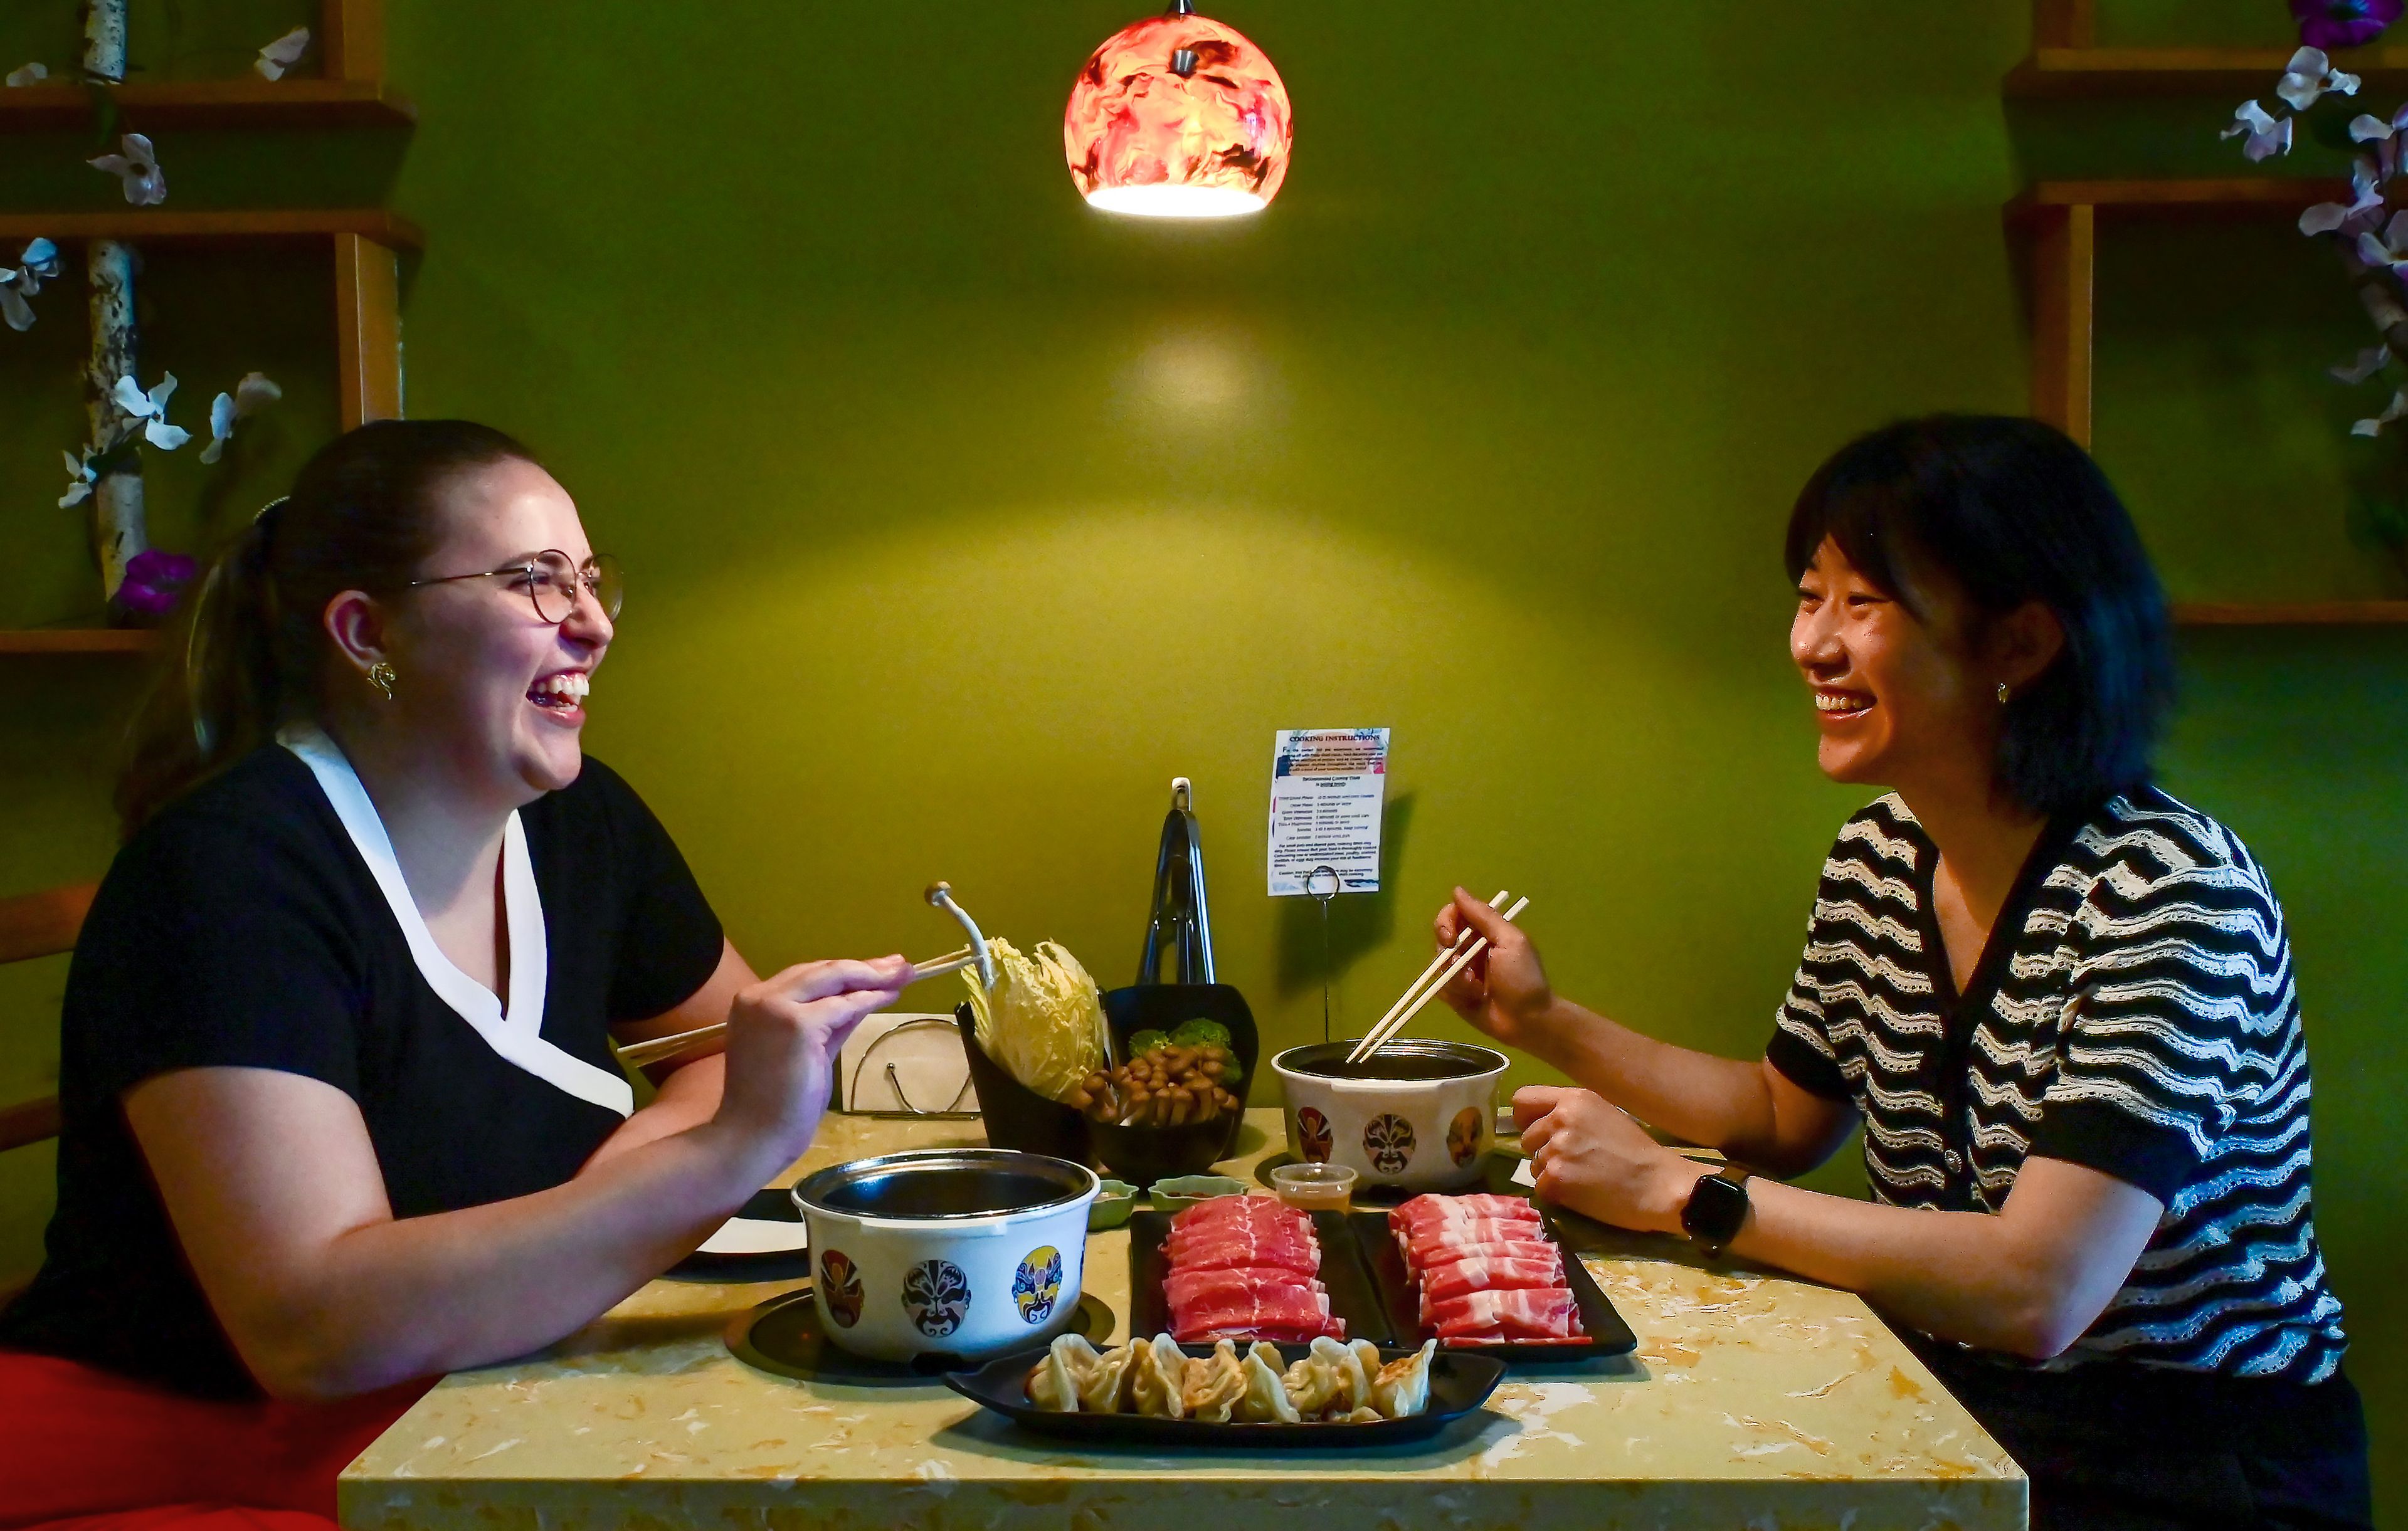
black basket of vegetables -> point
(1174, 1104)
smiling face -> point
(1901, 700)
(497, 690)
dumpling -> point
(1056, 1381)
(1400, 1389)
(1354, 1380)
(1367, 1355)
(1265, 1401)
(1327, 1381)
(1312, 1385)
(1106, 1389)
(1210, 1386)
(1365, 1415)
(1156, 1382)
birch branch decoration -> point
(119, 527)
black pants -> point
(2118, 1447)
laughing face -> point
(1898, 699)
(503, 689)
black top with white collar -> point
(2133, 1012)
(243, 927)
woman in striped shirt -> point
(2060, 1002)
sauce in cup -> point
(1314, 1188)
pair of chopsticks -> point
(1454, 959)
(653, 1049)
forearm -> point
(1974, 1277)
(1722, 1103)
(417, 1296)
(686, 1098)
(1962, 1276)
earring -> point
(2002, 693)
(380, 675)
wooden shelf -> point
(77, 641)
(2291, 614)
(248, 102)
(2241, 73)
(2060, 220)
(2242, 194)
(363, 241)
(377, 225)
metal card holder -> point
(952, 1111)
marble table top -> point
(1752, 1400)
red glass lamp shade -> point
(1178, 116)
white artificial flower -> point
(2390, 247)
(2267, 137)
(81, 479)
(2366, 127)
(146, 184)
(2392, 411)
(151, 409)
(2324, 218)
(2369, 362)
(32, 73)
(2366, 179)
(39, 264)
(283, 54)
(2309, 75)
(250, 396)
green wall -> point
(958, 519)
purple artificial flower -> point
(153, 580)
(2344, 23)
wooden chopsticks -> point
(1454, 959)
(653, 1048)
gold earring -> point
(380, 675)
(2002, 693)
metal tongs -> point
(1179, 933)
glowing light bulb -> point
(1178, 116)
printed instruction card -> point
(1327, 787)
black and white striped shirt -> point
(2133, 1012)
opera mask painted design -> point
(1388, 1143)
(1313, 1139)
(1038, 1284)
(936, 1296)
(1463, 1135)
(840, 1287)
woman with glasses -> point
(341, 1112)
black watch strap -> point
(1716, 1207)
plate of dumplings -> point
(1157, 1392)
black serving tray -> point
(1352, 1295)
(1401, 1301)
(1460, 1382)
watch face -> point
(1716, 1209)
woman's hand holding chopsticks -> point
(784, 1035)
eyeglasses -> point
(551, 582)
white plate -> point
(755, 1235)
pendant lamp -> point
(1178, 116)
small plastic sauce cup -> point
(1314, 1188)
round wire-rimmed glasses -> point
(551, 581)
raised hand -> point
(784, 1035)
(1503, 991)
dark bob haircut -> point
(2010, 510)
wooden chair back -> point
(38, 925)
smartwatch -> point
(1715, 1209)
